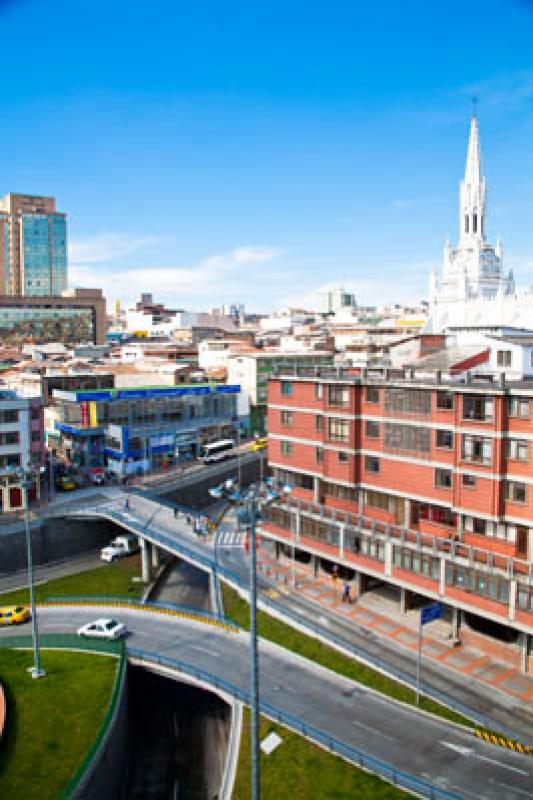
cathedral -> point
(474, 290)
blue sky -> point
(214, 152)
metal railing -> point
(357, 757)
(234, 578)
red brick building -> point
(425, 485)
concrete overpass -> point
(422, 753)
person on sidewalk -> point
(346, 593)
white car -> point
(103, 629)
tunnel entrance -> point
(178, 739)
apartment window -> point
(286, 449)
(319, 391)
(504, 358)
(372, 394)
(479, 526)
(445, 401)
(477, 407)
(286, 388)
(287, 418)
(469, 481)
(35, 436)
(372, 429)
(438, 514)
(339, 396)
(35, 413)
(319, 455)
(517, 450)
(515, 492)
(408, 401)
(377, 500)
(13, 437)
(9, 415)
(406, 437)
(518, 407)
(443, 478)
(341, 492)
(343, 457)
(371, 464)
(477, 449)
(444, 439)
(339, 430)
(319, 424)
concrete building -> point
(424, 485)
(33, 246)
(21, 445)
(133, 430)
(252, 371)
(77, 315)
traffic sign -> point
(430, 613)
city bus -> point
(218, 451)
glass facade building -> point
(33, 247)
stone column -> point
(456, 625)
(407, 514)
(524, 644)
(388, 558)
(405, 600)
(146, 567)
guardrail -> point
(397, 777)
(233, 577)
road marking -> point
(206, 650)
(468, 751)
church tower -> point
(472, 193)
(474, 269)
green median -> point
(109, 580)
(300, 770)
(237, 609)
(51, 723)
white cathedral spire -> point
(472, 193)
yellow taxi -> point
(260, 444)
(14, 615)
(65, 484)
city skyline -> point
(268, 156)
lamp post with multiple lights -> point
(250, 503)
(27, 476)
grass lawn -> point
(113, 579)
(51, 723)
(301, 770)
(237, 609)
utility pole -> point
(26, 482)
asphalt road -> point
(423, 746)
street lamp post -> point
(250, 504)
(26, 482)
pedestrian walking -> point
(127, 504)
(346, 593)
(335, 573)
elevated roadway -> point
(441, 756)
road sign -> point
(430, 613)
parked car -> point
(97, 478)
(260, 444)
(14, 615)
(119, 547)
(103, 629)
(65, 484)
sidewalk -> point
(485, 662)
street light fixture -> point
(27, 477)
(251, 503)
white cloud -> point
(105, 247)
(206, 283)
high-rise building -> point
(33, 246)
